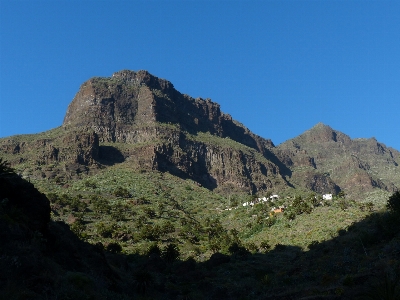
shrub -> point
(370, 206)
(150, 232)
(90, 184)
(78, 227)
(270, 221)
(251, 247)
(77, 205)
(118, 212)
(264, 246)
(64, 199)
(167, 227)
(343, 204)
(234, 202)
(290, 214)
(189, 233)
(214, 245)
(104, 230)
(100, 205)
(53, 197)
(150, 212)
(122, 192)
(141, 221)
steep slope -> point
(356, 166)
(117, 108)
(138, 119)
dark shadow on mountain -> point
(51, 262)
(109, 155)
(205, 179)
(350, 266)
(283, 169)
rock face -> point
(138, 108)
(356, 166)
(140, 120)
(118, 108)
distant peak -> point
(322, 132)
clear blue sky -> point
(279, 67)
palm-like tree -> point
(5, 168)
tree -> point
(237, 248)
(393, 203)
(114, 247)
(171, 252)
(154, 249)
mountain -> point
(143, 192)
(143, 122)
(356, 166)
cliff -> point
(141, 120)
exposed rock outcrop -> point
(120, 107)
(139, 108)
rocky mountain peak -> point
(118, 107)
(345, 161)
(322, 134)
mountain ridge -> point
(352, 163)
(139, 117)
